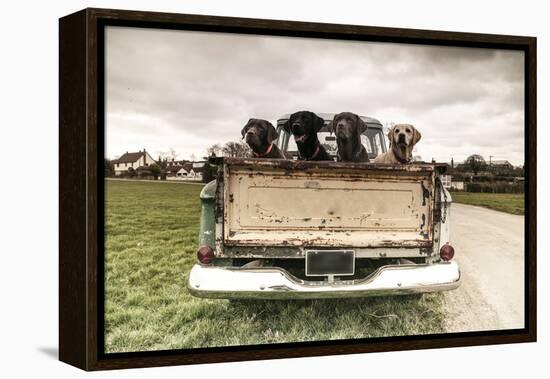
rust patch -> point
(425, 193)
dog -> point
(348, 128)
(259, 135)
(402, 139)
(304, 126)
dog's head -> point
(259, 134)
(304, 126)
(403, 136)
(347, 126)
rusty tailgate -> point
(322, 204)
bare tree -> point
(476, 163)
(214, 150)
(236, 149)
(169, 155)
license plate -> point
(330, 262)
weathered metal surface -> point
(343, 167)
(277, 283)
(207, 231)
(299, 252)
(283, 203)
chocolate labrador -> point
(259, 135)
(304, 126)
(348, 128)
(402, 139)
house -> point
(457, 186)
(446, 181)
(132, 160)
(501, 164)
(198, 169)
(450, 184)
(173, 170)
(185, 171)
(502, 167)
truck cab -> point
(373, 138)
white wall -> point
(142, 161)
(29, 77)
(148, 159)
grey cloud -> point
(202, 87)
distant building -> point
(457, 186)
(132, 160)
(185, 171)
(446, 181)
(450, 184)
(502, 164)
(173, 170)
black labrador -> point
(304, 126)
(259, 135)
(348, 128)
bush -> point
(209, 172)
(498, 187)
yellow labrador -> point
(402, 139)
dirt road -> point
(489, 248)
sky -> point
(184, 91)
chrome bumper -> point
(276, 283)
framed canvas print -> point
(239, 189)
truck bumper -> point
(276, 283)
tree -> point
(155, 170)
(236, 149)
(109, 168)
(476, 163)
(169, 155)
(208, 173)
(131, 172)
(162, 162)
(214, 150)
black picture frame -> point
(81, 141)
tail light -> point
(447, 252)
(205, 255)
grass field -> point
(504, 202)
(151, 237)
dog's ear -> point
(246, 127)
(286, 126)
(390, 136)
(332, 124)
(318, 122)
(416, 136)
(361, 125)
(272, 134)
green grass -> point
(504, 202)
(151, 237)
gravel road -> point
(489, 247)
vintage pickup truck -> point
(287, 229)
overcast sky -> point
(188, 90)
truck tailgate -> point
(322, 204)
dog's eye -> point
(397, 130)
(408, 130)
